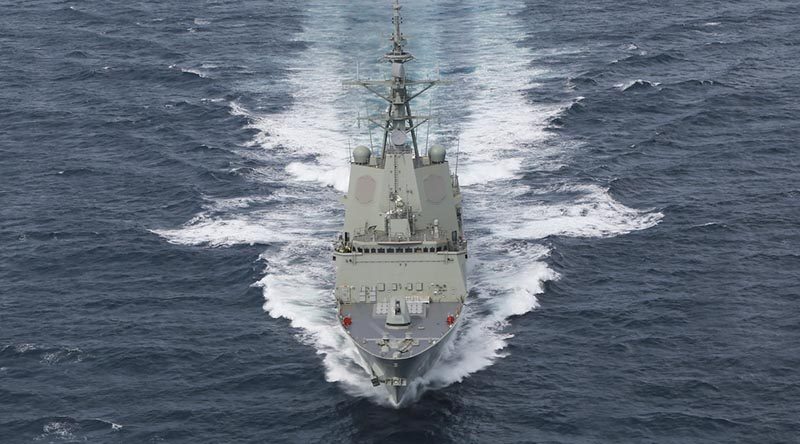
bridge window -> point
(381, 250)
(408, 250)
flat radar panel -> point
(365, 189)
(435, 188)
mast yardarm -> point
(398, 122)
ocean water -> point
(169, 183)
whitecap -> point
(636, 84)
(58, 429)
(499, 134)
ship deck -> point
(370, 332)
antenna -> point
(428, 124)
(349, 152)
(371, 146)
(398, 117)
(458, 151)
(398, 39)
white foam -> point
(636, 83)
(114, 426)
(310, 133)
(474, 173)
(72, 354)
(336, 177)
(501, 134)
(24, 347)
(59, 429)
(195, 71)
(272, 219)
(508, 290)
(590, 212)
(294, 287)
(202, 230)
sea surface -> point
(169, 183)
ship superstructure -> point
(400, 259)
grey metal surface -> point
(370, 332)
(401, 256)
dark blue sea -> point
(169, 182)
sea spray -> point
(501, 134)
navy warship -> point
(400, 259)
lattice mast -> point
(398, 121)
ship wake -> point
(503, 142)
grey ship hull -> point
(396, 357)
(401, 255)
(398, 375)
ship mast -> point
(398, 122)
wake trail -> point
(501, 133)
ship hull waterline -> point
(408, 369)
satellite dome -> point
(436, 154)
(361, 155)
